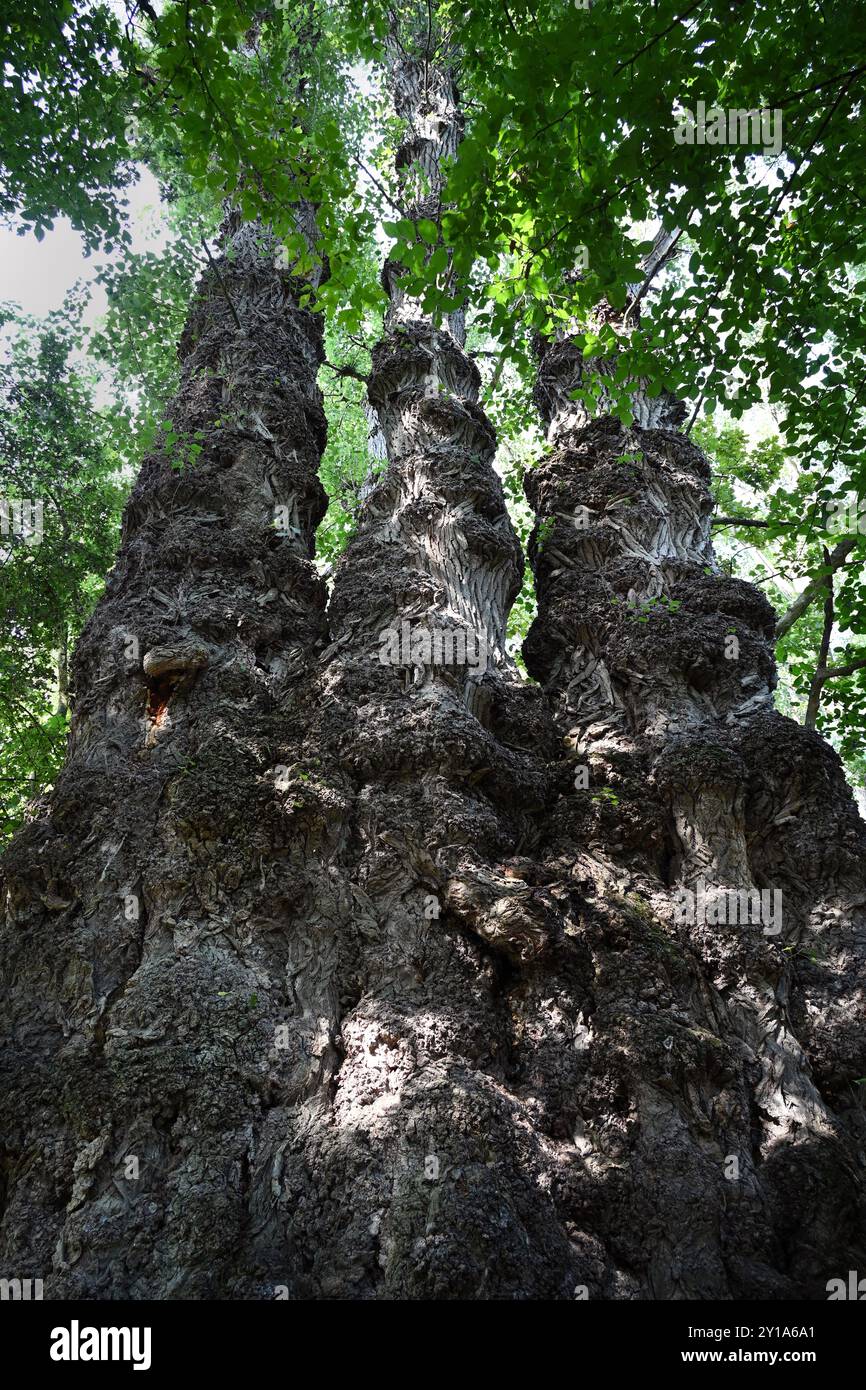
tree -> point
(344, 962)
(61, 502)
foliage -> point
(62, 142)
(754, 478)
(53, 453)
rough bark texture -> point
(719, 1040)
(380, 1003)
(142, 913)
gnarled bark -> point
(660, 672)
(144, 953)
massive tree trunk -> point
(328, 973)
(419, 1175)
(731, 1041)
(144, 955)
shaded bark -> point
(660, 672)
(143, 958)
(438, 1188)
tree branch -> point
(664, 248)
(818, 679)
(831, 672)
(347, 371)
(836, 558)
(737, 521)
(216, 270)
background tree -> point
(55, 453)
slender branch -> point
(397, 206)
(694, 415)
(656, 38)
(816, 87)
(664, 248)
(347, 371)
(818, 679)
(788, 184)
(834, 559)
(216, 270)
(831, 672)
